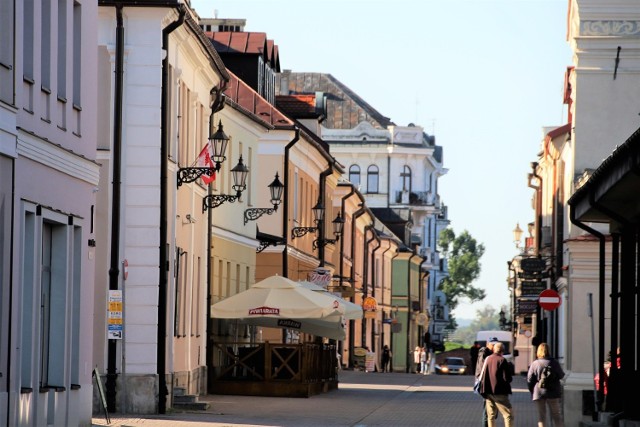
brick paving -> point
(362, 400)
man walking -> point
(496, 387)
(483, 353)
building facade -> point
(47, 211)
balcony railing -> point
(418, 198)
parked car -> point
(452, 366)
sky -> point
(483, 76)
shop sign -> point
(370, 304)
(320, 277)
(526, 306)
(532, 288)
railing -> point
(269, 364)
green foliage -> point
(463, 254)
(448, 346)
(487, 319)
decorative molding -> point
(56, 157)
(610, 28)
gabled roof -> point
(345, 109)
(251, 102)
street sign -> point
(549, 299)
(532, 288)
(533, 265)
(526, 306)
(533, 276)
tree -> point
(463, 254)
(487, 319)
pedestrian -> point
(416, 358)
(473, 353)
(423, 361)
(543, 380)
(496, 387)
(483, 353)
(386, 358)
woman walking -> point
(544, 384)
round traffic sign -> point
(549, 299)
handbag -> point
(477, 387)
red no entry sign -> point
(549, 299)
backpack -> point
(547, 377)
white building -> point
(48, 177)
(153, 238)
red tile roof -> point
(248, 99)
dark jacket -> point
(554, 388)
(483, 353)
(497, 378)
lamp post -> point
(517, 235)
(276, 189)
(318, 217)
(239, 173)
(217, 147)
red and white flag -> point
(204, 161)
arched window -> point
(406, 178)
(372, 179)
(354, 175)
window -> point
(28, 31)
(45, 39)
(372, 179)
(406, 178)
(6, 52)
(77, 54)
(354, 175)
(51, 297)
(62, 50)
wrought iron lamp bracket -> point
(301, 231)
(187, 175)
(212, 201)
(253, 214)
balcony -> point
(417, 198)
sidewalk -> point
(362, 399)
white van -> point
(504, 337)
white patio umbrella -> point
(351, 311)
(280, 302)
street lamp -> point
(517, 235)
(239, 173)
(318, 217)
(218, 142)
(503, 320)
(276, 189)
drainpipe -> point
(217, 92)
(601, 282)
(321, 228)
(114, 270)
(365, 279)
(409, 311)
(164, 259)
(341, 268)
(352, 323)
(538, 188)
(382, 335)
(421, 290)
(373, 280)
(285, 204)
(616, 292)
